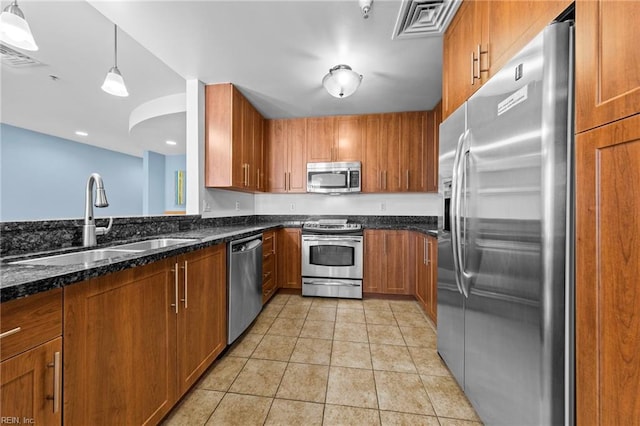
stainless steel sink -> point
(79, 258)
(154, 244)
(91, 256)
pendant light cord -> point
(115, 43)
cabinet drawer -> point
(268, 289)
(268, 269)
(28, 322)
(268, 244)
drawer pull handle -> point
(10, 332)
(56, 382)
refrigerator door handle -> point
(462, 250)
(459, 176)
(455, 201)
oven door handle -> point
(331, 238)
(335, 283)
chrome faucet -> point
(89, 230)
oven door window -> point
(328, 179)
(331, 255)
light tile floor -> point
(314, 361)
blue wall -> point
(172, 164)
(44, 177)
(153, 187)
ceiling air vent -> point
(424, 18)
(16, 59)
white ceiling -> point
(76, 44)
(276, 52)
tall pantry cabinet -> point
(607, 207)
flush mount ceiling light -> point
(14, 29)
(114, 83)
(341, 81)
(81, 133)
(365, 5)
(171, 143)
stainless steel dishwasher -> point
(244, 284)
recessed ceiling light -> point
(172, 143)
(81, 133)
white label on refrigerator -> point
(513, 100)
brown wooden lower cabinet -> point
(202, 317)
(608, 267)
(425, 249)
(289, 258)
(135, 340)
(386, 262)
(30, 391)
(31, 359)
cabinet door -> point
(349, 133)
(371, 170)
(607, 65)
(248, 155)
(390, 153)
(120, 347)
(413, 155)
(259, 149)
(459, 40)
(421, 275)
(276, 155)
(432, 259)
(202, 313)
(29, 390)
(607, 270)
(374, 260)
(297, 154)
(507, 26)
(218, 134)
(289, 258)
(238, 109)
(320, 139)
(434, 118)
(396, 259)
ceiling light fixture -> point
(114, 83)
(341, 81)
(81, 133)
(14, 29)
(365, 5)
(172, 143)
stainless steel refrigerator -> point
(505, 277)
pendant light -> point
(114, 83)
(341, 81)
(14, 29)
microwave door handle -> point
(348, 179)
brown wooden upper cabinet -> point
(336, 138)
(483, 36)
(399, 152)
(233, 140)
(285, 153)
(607, 62)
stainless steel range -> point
(332, 258)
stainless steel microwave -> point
(334, 178)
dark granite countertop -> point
(17, 281)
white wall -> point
(221, 203)
(352, 204)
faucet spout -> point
(89, 228)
